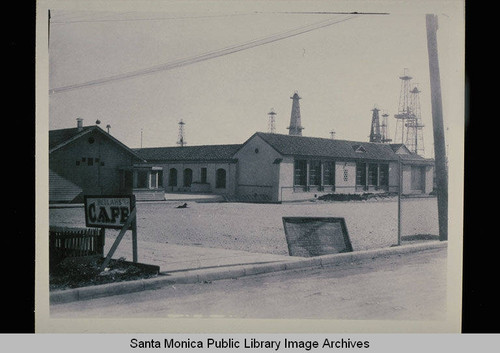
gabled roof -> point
(62, 137)
(406, 155)
(59, 138)
(400, 148)
(414, 158)
(396, 146)
(189, 153)
(323, 147)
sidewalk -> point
(181, 264)
(181, 258)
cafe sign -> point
(108, 211)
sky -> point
(118, 65)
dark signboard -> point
(108, 211)
(315, 236)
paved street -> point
(405, 287)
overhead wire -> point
(146, 18)
(205, 56)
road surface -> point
(397, 287)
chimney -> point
(295, 127)
(79, 124)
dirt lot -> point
(259, 227)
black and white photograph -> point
(249, 166)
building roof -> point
(323, 147)
(330, 148)
(396, 146)
(189, 153)
(62, 137)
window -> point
(172, 177)
(314, 173)
(358, 149)
(142, 179)
(203, 175)
(361, 174)
(220, 179)
(346, 174)
(329, 173)
(384, 175)
(160, 178)
(300, 172)
(90, 161)
(372, 174)
(188, 177)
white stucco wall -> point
(258, 169)
(345, 177)
(429, 179)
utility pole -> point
(48, 30)
(438, 128)
(400, 193)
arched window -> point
(172, 177)
(188, 177)
(220, 179)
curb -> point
(213, 274)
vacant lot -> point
(259, 227)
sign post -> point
(134, 236)
(117, 212)
(400, 192)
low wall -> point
(263, 192)
(149, 194)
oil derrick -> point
(384, 129)
(405, 113)
(271, 125)
(375, 135)
(414, 127)
(181, 141)
(295, 127)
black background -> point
(17, 241)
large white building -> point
(266, 168)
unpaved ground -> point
(259, 227)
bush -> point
(85, 271)
(356, 197)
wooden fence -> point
(74, 242)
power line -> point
(148, 18)
(205, 56)
(73, 20)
